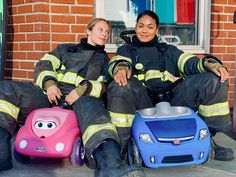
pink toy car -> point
(50, 133)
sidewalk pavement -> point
(62, 168)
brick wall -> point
(37, 26)
(223, 37)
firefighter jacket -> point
(72, 64)
(160, 68)
(156, 64)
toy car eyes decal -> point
(45, 125)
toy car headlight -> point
(203, 134)
(145, 138)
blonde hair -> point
(93, 22)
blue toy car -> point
(168, 135)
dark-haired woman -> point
(146, 72)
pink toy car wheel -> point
(77, 153)
(20, 157)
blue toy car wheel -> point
(211, 156)
(20, 157)
(77, 153)
(133, 154)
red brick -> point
(218, 17)
(18, 19)
(25, 9)
(229, 26)
(42, 46)
(229, 57)
(83, 19)
(17, 2)
(18, 73)
(229, 9)
(37, 18)
(63, 1)
(31, 1)
(82, 10)
(30, 75)
(60, 9)
(229, 41)
(42, 27)
(216, 41)
(26, 65)
(85, 1)
(41, 8)
(231, 50)
(232, 34)
(219, 1)
(26, 46)
(78, 29)
(217, 33)
(26, 27)
(60, 28)
(34, 55)
(19, 37)
(63, 19)
(218, 49)
(38, 37)
(217, 8)
(217, 25)
(64, 37)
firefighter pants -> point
(201, 92)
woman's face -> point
(146, 28)
(99, 34)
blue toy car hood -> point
(169, 129)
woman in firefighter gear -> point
(76, 72)
(146, 72)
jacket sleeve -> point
(46, 68)
(121, 59)
(187, 64)
(97, 88)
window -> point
(184, 23)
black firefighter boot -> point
(5, 150)
(221, 153)
(109, 162)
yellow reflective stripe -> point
(120, 57)
(113, 60)
(9, 108)
(69, 78)
(96, 89)
(156, 74)
(78, 80)
(182, 60)
(42, 75)
(217, 109)
(54, 60)
(166, 76)
(152, 74)
(200, 66)
(121, 120)
(101, 79)
(93, 129)
(140, 76)
(60, 76)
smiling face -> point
(99, 33)
(146, 28)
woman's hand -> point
(72, 97)
(222, 73)
(122, 76)
(54, 94)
